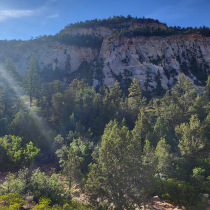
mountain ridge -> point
(121, 48)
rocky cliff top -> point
(115, 49)
(107, 30)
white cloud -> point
(53, 16)
(4, 14)
(11, 13)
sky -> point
(23, 19)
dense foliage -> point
(67, 39)
(168, 31)
(117, 148)
(112, 22)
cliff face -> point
(141, 25)
(47, 53)
(138, 55)
(141, 54)
(99, 31)
(102, 31)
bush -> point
(37, 184)
(45, 204)
(43, 186)
(182, 192)
(11, 201)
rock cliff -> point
(121, 56)
(168, 55)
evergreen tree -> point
(159, 88)
(208, 86)
(200, 106)
(47, 91)
(31, 78)
(142, 125)
(162, 130)
(162, 153)
(149, 154)
(148, 80)
(12, 70)
(169, 109)
(119, 155)
(70, 162)
(115, 93)
(192, 139)
(134, 97)
(183, 85)
(8, 84)
(68, 65)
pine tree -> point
(135, 94)
(142, 125)
(183, 85)
(12, 70)
(148, 154)
(31, 78)
(115, 93)
(68, 65)
(8, 78)
(192, 139)
(159, 87)
(208, 86)
(162, 153)
(70, 162)
(119, 176)
(148, 80)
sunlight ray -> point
(25, 103)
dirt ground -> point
(155, 203)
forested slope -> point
(109, 144)
(147, 134)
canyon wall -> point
(137, 55)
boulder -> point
(155, 198)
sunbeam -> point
(19, 92)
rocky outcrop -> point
(100, 31)
(51, 55)
(138, 55)
(103, 31)
(141, 54)
(133, 26)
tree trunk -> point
(30, 100)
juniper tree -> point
(119, 176)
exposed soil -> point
(155, 203)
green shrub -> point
(37, 184)
(45, 204)
(11, 201)
(182, 192)
(43, 186)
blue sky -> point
(22, 19)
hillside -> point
(106, 114)
(106, 49)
